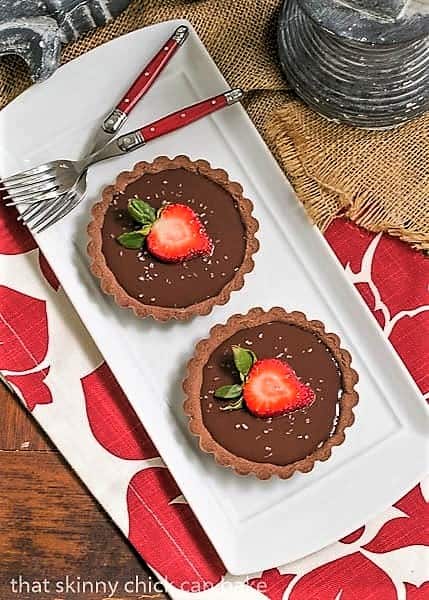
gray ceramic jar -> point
(362, 62)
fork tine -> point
(45, 197)
(29, 172)
(44, 211)
(27, 212)
(29, 181)
(35, 208)
(34, 211)
(73, 201)
(33, 193)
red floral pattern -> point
(112, 419)
(14, 237)
(23, 331)
(402, 284)
(400, 276)
(24, 337)
(48, 273)
(168, 535)
(409, 530)
(353, 577)
(353, 537)
(33, 388)
(409, 338)
(273, 584)
(417, 593)
(348, 241)
(356, 576)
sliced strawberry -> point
(272, 388)
(178, 235)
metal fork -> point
(44, 214)
(40, 217)
(52, 180)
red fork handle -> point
(135, 139)
(152, 70)
(116, 119)
(188, 115)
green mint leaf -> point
(228, 391)
(133, 240)
(141, 211)
(243, 360)
(236, 405)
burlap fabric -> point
(378, 179)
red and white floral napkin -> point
(48, 357)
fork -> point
(71, 174)
(51, 180)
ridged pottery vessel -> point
(362, 62)
(36, 29)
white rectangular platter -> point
(253, 525)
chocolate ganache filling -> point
(177, 285)
(287, 438)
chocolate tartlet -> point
(278, 445)
(173, 290)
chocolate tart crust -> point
(108, 281)
(194, 379)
